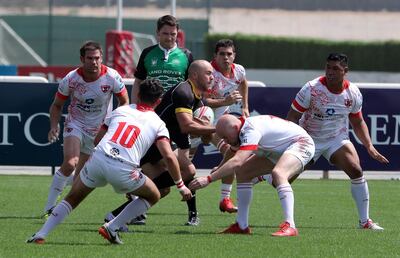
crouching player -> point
(266, 143)
(122, 141)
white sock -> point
(268, 178)
(225, 191)
(245, 195)
(132, 210)
(62, 210)
(56, 188)
(359, 190)
(70, 179)
(286, 197)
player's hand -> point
(233, 98)
(186, 193)
(53, 134)
(376, 155)
(198, 183)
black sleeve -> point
(141, 72)
(189, 56)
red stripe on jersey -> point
(144, 107)
(103, 71)
(298, 106)
(162, 138)
(61, 96)
(215, 66)
(122, 92)
(248, 147)
(355, 115)
(345, 84)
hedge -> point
(267, 52)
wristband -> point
(179, 184)
(209, 179)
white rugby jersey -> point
(223, 86)
(269, 133)
(326, 114)
(90, 101)
(131, 131)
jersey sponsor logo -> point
(330, 111)
(114, 151)
(105, 88)
(348, 102)
(154, 62)
(89, 101)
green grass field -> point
(324, 210)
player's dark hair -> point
(342, 58)
(224, 43)
(150, 90)
(167, 20)
(90, 45)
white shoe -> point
(370, 225)
(110, 216)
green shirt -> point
(169, 67)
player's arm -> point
(135, 91)
(171, 161)
(229, 99)
(361, 130)
(226, 169)
(293, 116)
(55, 115)
(244, 91)
(190, 126)
(123, 99)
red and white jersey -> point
(269, 133)
(223, 86)
(326, 114)
(90, 101)
(131, 131)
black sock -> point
(192, 202)
(164, 180)
(120, 208)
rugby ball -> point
(204, 112)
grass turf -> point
(324, 211)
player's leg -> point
(147, 194)
(77, 194)
(71, 157)
(225, 202)
(346, 159)
(253, 167)
(287, 166)
(188, 171)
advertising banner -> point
(24, 124)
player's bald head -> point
(228, 127)
(198, 66)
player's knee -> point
(355, 171)
(69, 166)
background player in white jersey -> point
(122, 141)
(266, 143)
(323, 107)
(89, 88)
(228, 95)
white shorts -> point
(327, 148)
(86, 140)
(303, 149)
(100, 170)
